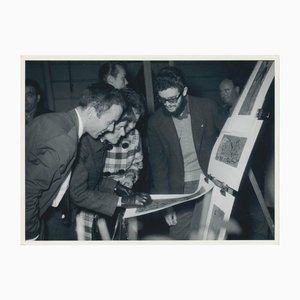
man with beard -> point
(181, 136)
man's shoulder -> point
(88, 144)
(54, 129)
(157, 117)
(52, 123)
(203, 105)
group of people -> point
(82, 165)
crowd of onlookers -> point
(84, 167)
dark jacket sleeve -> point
(100, 198)
(158, 161)
(41, 169)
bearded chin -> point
(178, 111)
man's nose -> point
(126, 82)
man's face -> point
(120, 81)
(171, 98)
(31, 99)
(96, 126)
(228, 92)
(119, 131)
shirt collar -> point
(80, 129)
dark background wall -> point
(62, 82)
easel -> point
(231, 153)
(261, 200)
(261, 115)
(205, 228)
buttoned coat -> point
(165, 154)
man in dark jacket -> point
(51, 148)
(97, 195)
(181, 136)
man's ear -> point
(237, 89)
(38, 98)
(90, 112)
(185, 90)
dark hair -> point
(101, 97)
(127, 115)
(169, 77)
(233, 80)
(133, 100)
(109, 68)
(34, 84)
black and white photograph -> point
(149, 149)
(106, 138)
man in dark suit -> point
(181, 136)
(97, 195)
(51, 148)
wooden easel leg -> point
(261, 200)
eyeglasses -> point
(170, 100)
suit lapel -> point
(169, 133)
(73, 134)
(73, 118)
(198, 124)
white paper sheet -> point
(167, 200)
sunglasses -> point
(170, 100)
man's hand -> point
(171, 217)
(136, 200)
(122, 190)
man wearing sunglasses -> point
(181, 136)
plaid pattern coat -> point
(126, 158)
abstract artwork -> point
(230, 149)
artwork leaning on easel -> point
(231, 153)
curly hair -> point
(169, 77)
(133, 100)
